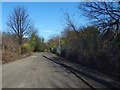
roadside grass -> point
(8, 56)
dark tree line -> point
(98, 45)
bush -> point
(26, 48)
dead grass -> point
(8, 56)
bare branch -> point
(102, 14)
(19, 22)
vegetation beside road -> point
(96, 46)
(11, 50)
(22, 39)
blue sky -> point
(48, 17)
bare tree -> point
(32, 30)
(19, 22)
(105, 15)
(70, 21)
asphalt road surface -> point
(36, 71)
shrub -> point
(26, 48)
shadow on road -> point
(77, 74)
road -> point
(36, 71)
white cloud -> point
(48, 31)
